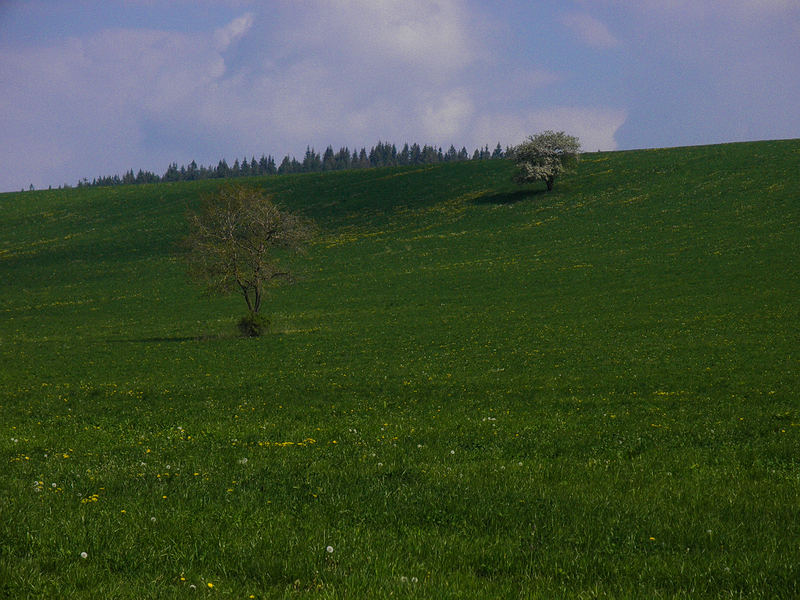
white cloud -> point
(445, 118)
(590, 30)
(225, 36)
(78, 107)
(316, 72)
(431, 35)
(595, 127)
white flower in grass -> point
(167, 467)
(452, 451)
(329, 549)
(84, 555)
(414, 580)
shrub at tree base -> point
(253, 325)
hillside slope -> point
(474, 390)
(643, 268)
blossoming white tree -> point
(545, 156)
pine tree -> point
(328, 159)
(286, 166)
(342, 159)
(312, 162)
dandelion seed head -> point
(329, 549)
(452, 451)
(53, 485)
(414, 580)
(84, 555)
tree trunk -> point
(257, 301)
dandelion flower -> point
(329, 549)
(211, 585)
(84, 555)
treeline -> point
(381, 155)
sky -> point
(90, 88)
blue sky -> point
(91, 88)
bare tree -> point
(239, 242)
(545, 156)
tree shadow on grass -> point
(509, 198)
(157, 340)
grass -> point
(475, 390)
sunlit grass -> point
(473, 392)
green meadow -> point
(473, 391)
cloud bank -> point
(140, 84)
(272, 79)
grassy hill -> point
(475, 390)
